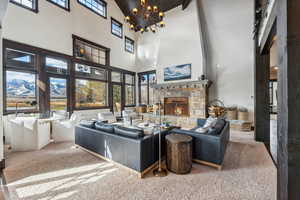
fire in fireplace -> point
(178, 106)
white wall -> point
(178, 43)
(229, 26)
(52, 28)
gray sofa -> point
(128, 147)
(209, 148)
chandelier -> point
(149, 13)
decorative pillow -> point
(101, 126)
(87, 123)
(129, 132)
(217, 129)
(210, 122)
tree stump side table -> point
(179, 153)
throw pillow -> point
(210, 122)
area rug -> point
(62, 172)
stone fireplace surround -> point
(195, 91)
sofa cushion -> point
(217, 129)
(87, 123)
(109, 128)
(129, 132)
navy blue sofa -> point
(209, 148)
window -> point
(97, 6)
(20, 59)
(86, 71)
(65, 4)
(58, 94)
(90, 52)
(129, 90)
(116, 77)
(129, 45)
(91, 94)
(116, 28)
(28, 4)
(146, 91)
(57, 66)
(20, 81)
(21, 94)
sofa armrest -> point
(201, 122)
(205, 147)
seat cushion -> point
(217, 129)
(109, 128)
(129, 132)
(88, 123)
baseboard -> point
(219, 167)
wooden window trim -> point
(111, 27)
(35, 10)
(148, 84)
(41, 54)
(105, 3)
(127, 38)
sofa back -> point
(135, 153)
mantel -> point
(183, 85)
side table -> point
(179, 153)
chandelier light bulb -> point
(153, 29)
(127, 19)
(131, 26)
(161, 15)
(142, 30)
(143, 3)
(149, 8)
(155, 9)
(162, 24)
(135, 11)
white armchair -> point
(107, 116)
(64, 131)
(29, 133)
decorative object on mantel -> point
(178, 72)
(147, 12)
(216, 108)
(182, 85)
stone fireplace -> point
(177, 106)
(184, 102)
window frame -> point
(65, 8)
(87, 62)
(104, 2)
(33, 70)
(113, 20)
(148, 73)
(131, 40)
(92, 108)
(35, 9)
(134, 89)
(42, 75)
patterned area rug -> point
(62, 172)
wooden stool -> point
(179, 153)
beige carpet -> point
(61, 172)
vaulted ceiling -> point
(164, 5)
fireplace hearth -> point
(177, 106)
